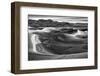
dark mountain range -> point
(51, 23)
(47, 23)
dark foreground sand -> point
(33, 56)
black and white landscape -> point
(57, 37)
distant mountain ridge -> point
(51, 23)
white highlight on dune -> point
(46, 29)
(35, 40)
(81, 33)
(78, 33)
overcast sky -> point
(71, 19)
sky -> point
(71, 19)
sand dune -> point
(63, 44)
